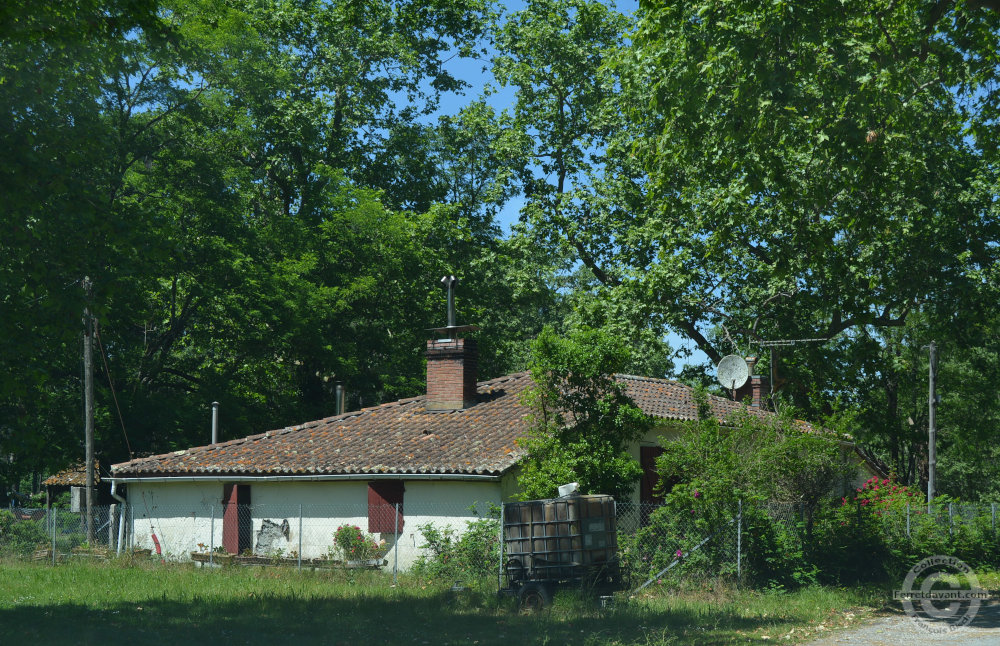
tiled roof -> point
(74, 476)
(667, 399)
(402, 437)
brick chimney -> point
(757, 388)
(760, 391)
(452, 363)
(451, 373)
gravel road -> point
(900, 630)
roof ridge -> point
(659, 380)
(674, 382)
(514, 376)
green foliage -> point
(741, 172)
(472, 554)
(352, 544)
(883, 528)
(753, 461)
(756, 458)
(19, 537)
(827, 171)
(582, 420)
(259, 209)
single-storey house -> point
(387, 469)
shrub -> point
(473, 554)
(19, 537)
(352, 544)
(867, 537)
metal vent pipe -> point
(339, 398)
(215, 422)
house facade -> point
(442, 458)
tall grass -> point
(86, 603)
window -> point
(383, 497)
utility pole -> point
(88, 407)
(931, 423)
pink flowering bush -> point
(353, 544)
(879, 530)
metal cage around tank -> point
(567, 541)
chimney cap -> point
(454, 329)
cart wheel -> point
(533, 597)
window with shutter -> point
(237, 521)
(383, 498)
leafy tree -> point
(258, 207)
(567, 142)
(742, 172)
(812, 165)
(582, 420)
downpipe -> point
(121, 516)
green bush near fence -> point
(884, 528)
(472, 555)
(19, 537)
(874, 535)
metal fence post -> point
(739, 541)
(993, 513)
(211, 539)
(500, 537)
(300, 538)
(53, 537)
(395, 545)
(111, 526)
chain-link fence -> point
(655, 544)
(55, 534)
(376, 536)
(771, 542)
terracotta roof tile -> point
(402, 437)
(74, 476)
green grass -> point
(80, 603)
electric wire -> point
(107, 371)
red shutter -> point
(383, 496)
(237, 525)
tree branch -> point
(688, 328)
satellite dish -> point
(732, 372)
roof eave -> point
(137, 478)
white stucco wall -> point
(180, 513)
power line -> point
(44, 296)
(107, 371)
